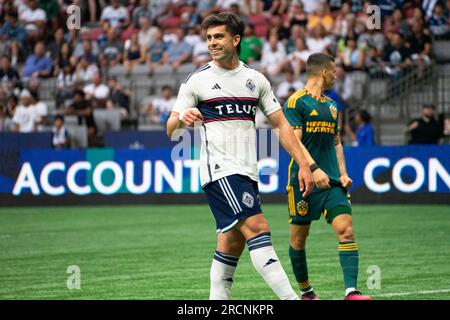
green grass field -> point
(164, 252)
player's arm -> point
(344, 178)
(183, 115)
(292, 146)
(321, 179)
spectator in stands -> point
(97, 92)
(191, 17)
(235, 8)
(133, 54)
(373, 62)
(40, 107)
(26, 117)
(66, 84)
(397, 57)
(115, 13)
(51, 8)
(147, 32)
(34, 20)
(111, 51)
(251, 46)
(11, 107)
(318, 41)
(82, 108)
(7, 72)
(420, 47)
(426, 130)
(54, 47)
(12, 30)
(192, 36)
(297, 15)
(321, 16)
(297, 59)
(60, 138)
(397, 24)
(291, 42)
(200, 53)
(439, 24)
(102, 37)
(85, 71)
(84, 46)
(365, 134)
(2, 117)
(310, 5)
(179, 52)
(38, 64)
(156, 51)
(289, 82)
(351, 57)
(273, 57)
(342, 22)
(281, 27)
(157, 111)
(64, 58)
(142, 10)
(118, 97)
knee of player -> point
(298, 241)
(348, 234)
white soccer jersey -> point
(227, 99)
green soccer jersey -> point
(318, 118)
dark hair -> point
(365, 116)
(34, 94)
(59, 116)
(14, 97)
(78, 92)
(233, 24)
(317, 62)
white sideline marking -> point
(410, 293)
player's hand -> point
(306, 180)
(321, 179)
(346, 182)
(190, 116)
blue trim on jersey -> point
(205, 67)
(207, 154)
(218, 109)
(247, 66)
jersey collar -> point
(322, 98)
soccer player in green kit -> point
(314, 118)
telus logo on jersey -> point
(228, 108)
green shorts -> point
(331, 202)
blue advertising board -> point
(45, 176)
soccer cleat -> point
(356, 295)
(309, 296)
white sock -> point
(267, 264)
(348, 290)
(221, 275)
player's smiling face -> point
(221, 44)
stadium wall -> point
(146, 174)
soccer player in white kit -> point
(223, 96)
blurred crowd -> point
(279, 36)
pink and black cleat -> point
(356, 295)
(309, 296)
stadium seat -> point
(78, 135)
(441, 50)
(107, 119)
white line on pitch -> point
(410, 293)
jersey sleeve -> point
(268, 103)
(294, 112)
(186, 97)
